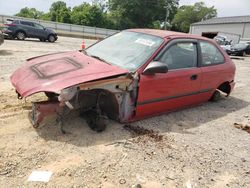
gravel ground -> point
(195, 147)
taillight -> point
(9, 24)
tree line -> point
(124, 14)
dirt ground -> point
(195, 147)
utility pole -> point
(167, 14)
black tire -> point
(51, 38)
(95, 121)
(20, 35)
(42, 39)
(216, 96)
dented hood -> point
(54, 72)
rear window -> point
(210, 54)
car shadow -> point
(30, 40)
(5, 52)
(78, 133)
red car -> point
(131, 75)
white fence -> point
(67, 29)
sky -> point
(224, 7)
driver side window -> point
(180, 56)
(37, 26)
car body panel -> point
(55, 72)
(167, 91)
(134, 95)
(175, 90)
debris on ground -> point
(242, 127)
(137, 130)
(42, 176)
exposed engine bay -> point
(113, 98)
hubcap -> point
(21, 36)
(51, 38)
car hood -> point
(54, 72)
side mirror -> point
(155, 67)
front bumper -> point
(41, 110)
(234, 53)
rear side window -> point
(180, 55)
(210, 54)
(27, 23)
(15, 22)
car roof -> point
(23, 21)
(165, 33)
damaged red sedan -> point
(129, 76)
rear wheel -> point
(20, 35)
(52, 38)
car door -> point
(28, 28)
(40, 31)
(179, 87)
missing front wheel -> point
(94, 120)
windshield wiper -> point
(96, 57)
(99, 58)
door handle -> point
(194, 77)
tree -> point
(86, 14)
(59, 12)
(140, 13)
(30, 13)
(186, 15)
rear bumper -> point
(232, 85)
(1, 38)
(8, 34)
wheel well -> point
(225, 87)
(106, 100)
(20, 31)
(50, 35)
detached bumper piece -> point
(40, 110)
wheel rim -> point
(51, 38)
(20, 36)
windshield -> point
(240, 45)
(128, 50)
